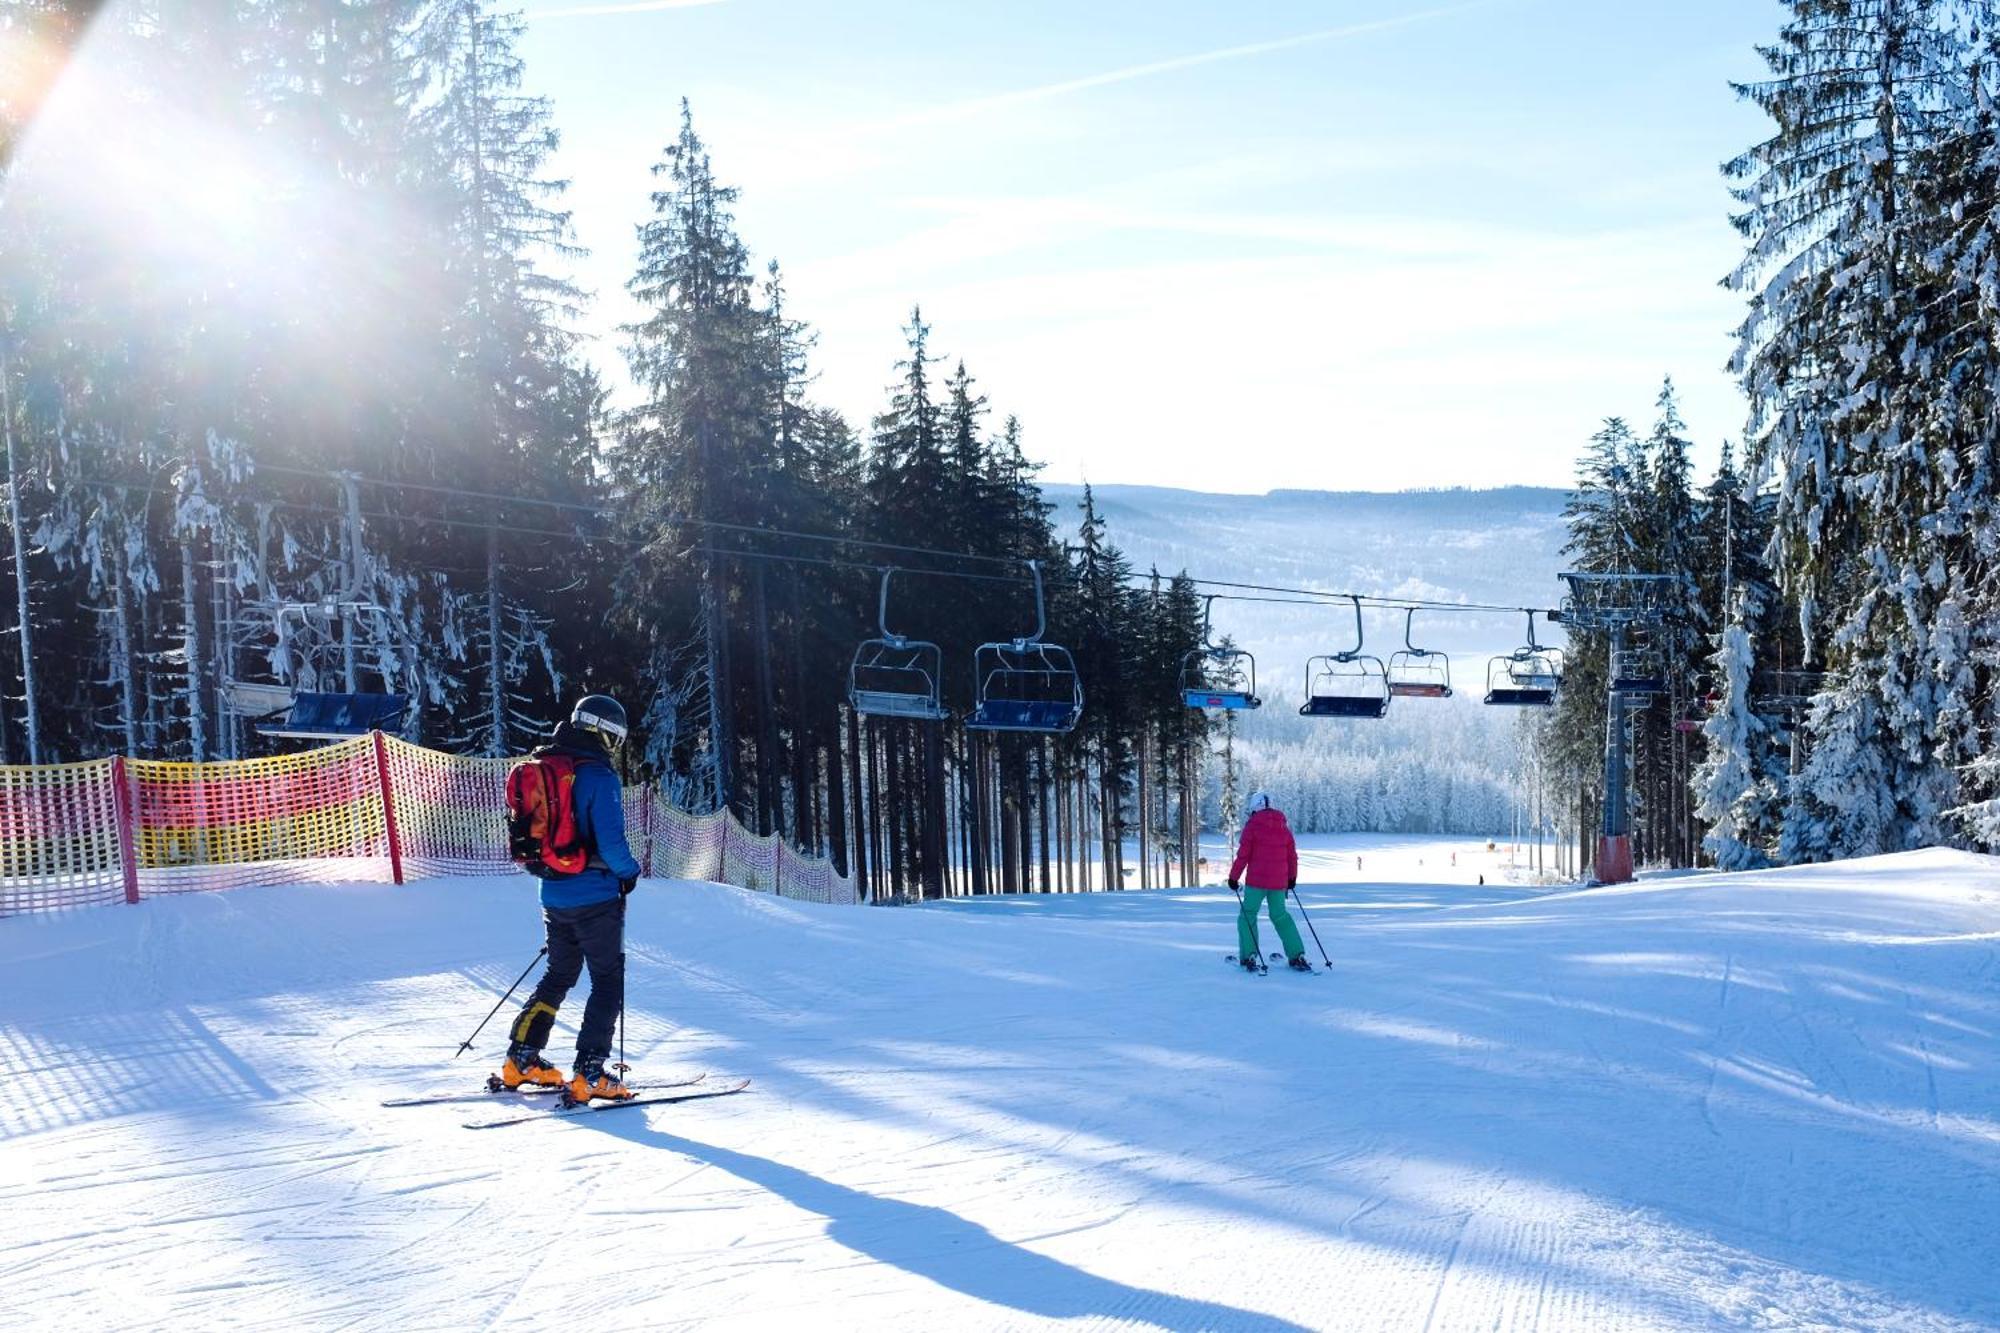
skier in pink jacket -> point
(1267, 862)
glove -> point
(1292, 883)
(626, 886)
(1232, 883)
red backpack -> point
(542, 835)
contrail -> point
(633, 7)
(973, 106)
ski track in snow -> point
(1755, 1101)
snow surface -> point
(1753, 1100)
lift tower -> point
(1617, 604)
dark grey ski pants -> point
(593, 935)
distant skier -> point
(586, 871)
(1267, 861)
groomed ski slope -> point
(1764, 1100)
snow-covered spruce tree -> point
(1179, 733)
(1739, 785)
(1670, 545)
(1229, 777)
(1106, 607)
(1841, 803)
(1604, 518)
(696, 447)
(516, 389)
(1957, 193)
(910, 490)
(1838, 357)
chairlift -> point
(1346, 684)
(1528, 677)
(283, 712)
(1213, 677)
(1418, 673)
(893, 676)
(339, 717)
(1636, 671)
(1026, 685)
(1700, 709)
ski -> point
(1308, 969)
(1259, 964)
(658, 1099)
(525, 1090)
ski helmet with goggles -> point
(602, 714)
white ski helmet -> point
(1259, 800)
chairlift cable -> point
(1289, 595)
(1376, 600)
(874, 567)
(605, 511)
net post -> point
(388, 806)
(652, 790)
(128, 858)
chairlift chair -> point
(894, 676)
(1347, 684)
(284, 713)
(1025, 685)
(1700, 709)
(1528, 677)
(1636, 671)
(1418, 673)
(338, 717)
(1208, 663)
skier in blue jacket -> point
(584, 913)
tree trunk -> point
(769, 813)
(1042, 810)
(933, 832)
(1145, 811)
(197, 689)
(975, 790)
(121, 650)
(713, 635)
(837, 774)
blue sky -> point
(1351, 244)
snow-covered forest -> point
(1837, 628)
(315, 411)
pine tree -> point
(517, 391)
(696, 449)
(1738, 786)
(1837, 357)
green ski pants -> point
(1246, 923)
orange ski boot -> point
(590, 1080)
(525, 1067)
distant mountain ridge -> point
(1501, 546)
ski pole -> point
(623, 1068)
(1294, 891)
(464, 1045)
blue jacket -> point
(600, 817)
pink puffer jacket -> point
(1266, 856)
